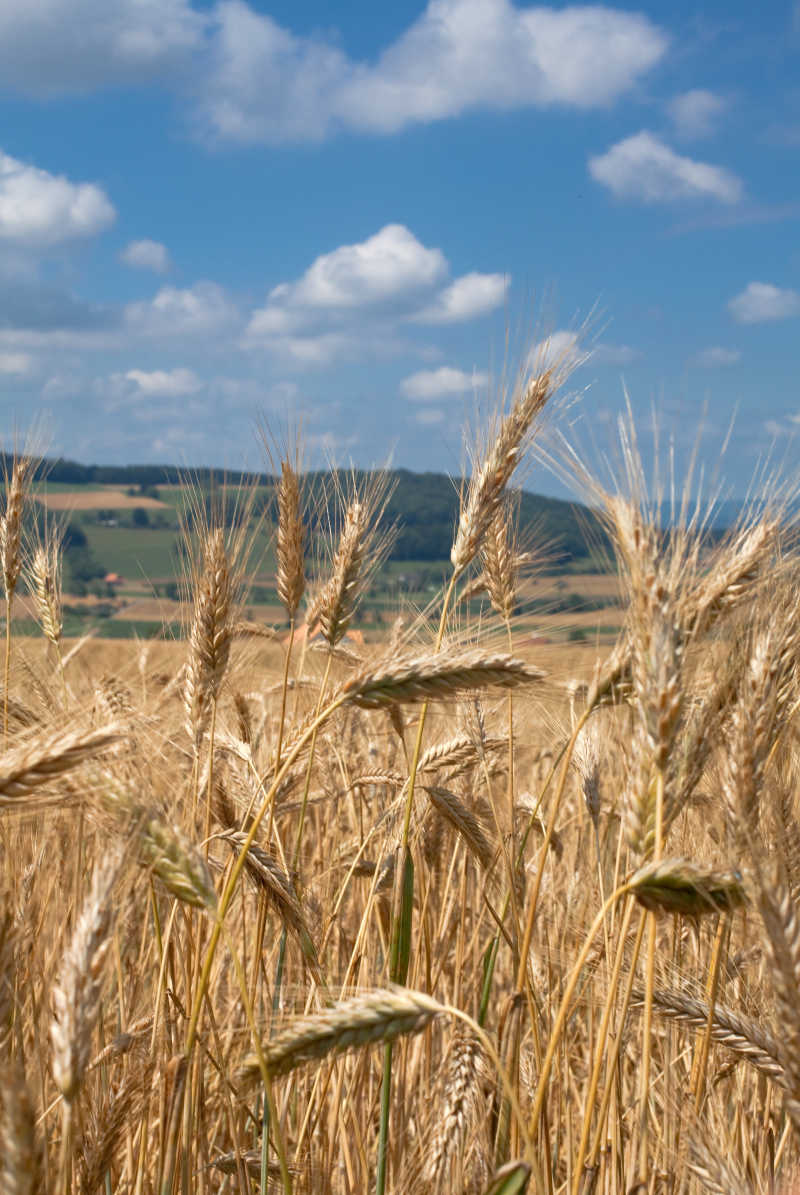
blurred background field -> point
(124, 555)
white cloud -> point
(716, 356)
(362, 297)
(642, 167)
(761, 302)
(696, 113)
(251, 79)
(165, 383)
(465, 299)
(38, 209)
(322, 314)
(266, 84)
(55, 46)
(16, 363)
(430, 384)
(146, 255)
(198, 310)
(389, 264)
(316, 350)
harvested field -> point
(101, 499)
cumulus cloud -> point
(761, 302)
(716, 356)
(427, 385)
(464, 299)
(643, 167)
(315, 350)
(165, 383)
(363, 292)
(250, 79)
(267, 84)
(57, 46)
(146, 255)
(197, 310)
(38, 209)
(696, 113)
(387, 265)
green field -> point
(138, 555)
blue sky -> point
(214, 210)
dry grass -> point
(583, 866)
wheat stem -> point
(564, 1008)
(383, 1132)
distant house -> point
(352, 638)
(113, 579)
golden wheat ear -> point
(76, 994)
(365, 1019)
(211, 634)
(290, 545)
(511, 435)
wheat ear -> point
(210, 635)
(76, 995)
(17, 486)
(45, 577)
(460, 1108)
(432, 676)
(372, 1017)
(742, 1035)
(487, 486)
(290, 579)
(28, 767)
(679, 886)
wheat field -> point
(437, 914)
